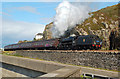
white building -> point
(38, 36)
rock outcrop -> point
(47, 34)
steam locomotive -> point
(76, 42)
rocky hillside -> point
(100, 23)
(47, 32)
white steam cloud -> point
(67, 16)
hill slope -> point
(100, 23)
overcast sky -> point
(22, 20)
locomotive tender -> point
(76, 42)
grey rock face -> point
(82, 32)
(101, 18)
(95, 21)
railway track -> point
(102, 51)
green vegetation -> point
(23, 41)
(10, 53)
(7, 52)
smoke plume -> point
(67, 16)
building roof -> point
(39, 34)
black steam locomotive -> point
(76, 42)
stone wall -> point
(105, 60)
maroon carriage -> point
(42, 44)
